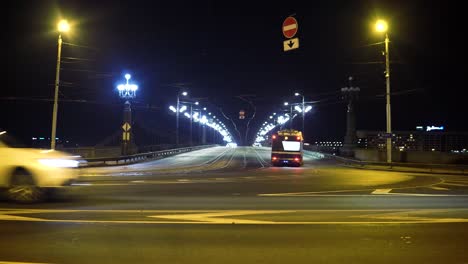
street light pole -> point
(303, 115)
(57, 80)
(177, 115)
(389, 114)
(381, 26)
(177, 121)
(62, 26)
(303, 110)
(191, 117)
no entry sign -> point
(290, 27)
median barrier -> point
(135, 158)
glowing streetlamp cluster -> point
(279, 120)
(267, 126)
(198, 115)
(127, 91)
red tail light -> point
(298, 138)
(274, 158)
(273, 137)
(296, 159)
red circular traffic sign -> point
(290, 27)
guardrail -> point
(129, 159)
(423, 167)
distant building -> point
(418, 140)
(327, 146)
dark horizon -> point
(224, 52)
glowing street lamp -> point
(127, 91)
(382, 27)
(62, 27)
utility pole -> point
(57, 82)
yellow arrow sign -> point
(126, 126)
(290, 44)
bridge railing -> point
(129, 159)
(402, 166)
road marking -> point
(220, 217)
(100, 184)
(381, 191)
(348, 217)
(456, 183)
(82, 184)
(311, 193)
(439, 188)
(15, 262)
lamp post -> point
(127, 91)
(290, 114)
(191, 119)
(62, 26)
(381, 26)
(177, 115)
(204, 126)
(303, 111)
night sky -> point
(226, 53)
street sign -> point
(126, 136)
(291, 44)
(126, 126)
(290, 27)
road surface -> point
(228, 205)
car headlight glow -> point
(60, 163)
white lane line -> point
(381, 191)
(183, 180)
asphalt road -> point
(228, 205)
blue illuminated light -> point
(432, 128)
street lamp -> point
(62, 27)
(184, 93)
(303, 112)
(191, 119)
(127, 92)
(381, 26)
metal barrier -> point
(432, 168)
(122, 160)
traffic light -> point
(241, 114)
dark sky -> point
(221, 50)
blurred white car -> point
(256, 144)
(27, 173)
